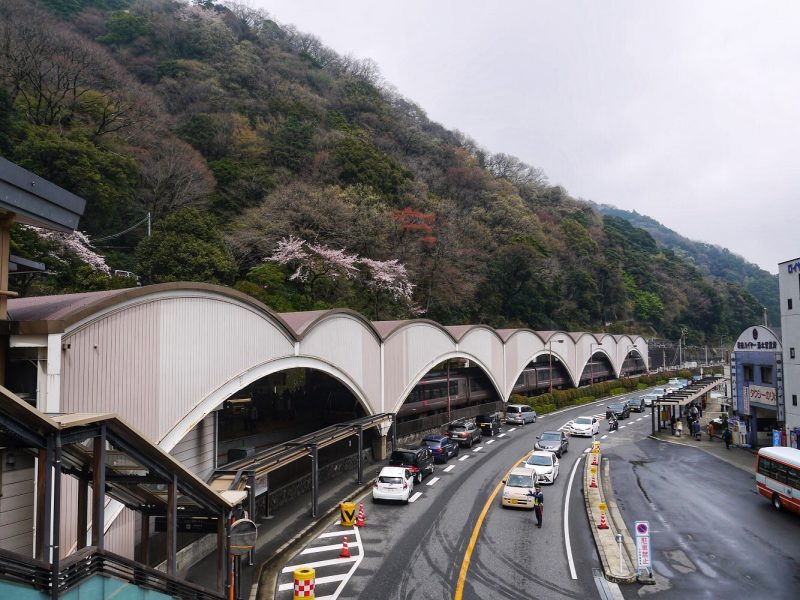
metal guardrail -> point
(25, 570)
(90, 561)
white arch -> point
(225, 391)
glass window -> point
(520, 379)
(748, 372)
(791, 352)
(766, 374)
(790, 303)
(794, 399)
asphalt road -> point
(712, 536)
(417, 550)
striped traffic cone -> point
(361, 511)
(345, 551)
(594, 459)
(360, 518)
(603, 523)
(593, 484)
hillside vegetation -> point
(247, 140)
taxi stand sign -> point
(642, 529)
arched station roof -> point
(164, 356)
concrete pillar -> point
(380, 447)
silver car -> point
(520, 414)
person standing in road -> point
(538, 505)
(726, 437)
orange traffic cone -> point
(594, 459)
(361, 510)
(603, 523)
(593, 484)
(345, 551)
(360, 518)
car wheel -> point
(534, 419)
(558, 454)
(455, 453)
(776, 502)
(469, 444)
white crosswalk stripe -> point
(415, 497)
(463, 458)
(604, 437)
(512, 429)
(316, 549)
(432, 481)
(490, 442)
(503, 434)
(478, 449)
(449, 468)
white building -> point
(789, 287)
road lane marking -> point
(336, 533)
(319, 580)
(463, 458)
(566, 520)
(503, 434)
(478, 448)
(490, 442)
(448, 468)
(315, 549)
(319, 563)
(512, 429)
(462, 575)
(415, 497)
(622, 426)
(432, 481)
(604, 437)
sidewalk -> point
(744, 458)
(284, 526)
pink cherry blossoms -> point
(77, 243)
(312, 261)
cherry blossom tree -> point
(77, 243)
(388, 276)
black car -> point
(489, 423)
(464, 432)
(442, 447)
(619, 409)
(417, 460)
(637, 404)
(554, 441)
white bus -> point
(778, 476)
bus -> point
(778, 476)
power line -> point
(131, 228)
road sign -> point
(642, 529)
(602, 506)
(242, 537)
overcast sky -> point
(686, 111)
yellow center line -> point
(462, 576)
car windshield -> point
(387, 479)
(617, 406)
(483, 419)
(513, 409)
(583, 421)
(550, 436)
(403, 457)
(520, 481)
(540, 461)
(457, 427)
(433, 443)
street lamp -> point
(550, 355)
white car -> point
(544, 464)
(393, 483)
(519, 486)
(588, 426)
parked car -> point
(618, 409)
(637, 404)
(588, 426)
(464, 432)
(519, 485)
(552, 441)
(393, 483)
(489, 423)
(442, 447)
(520, 414)
(544, 464)
(417, 460)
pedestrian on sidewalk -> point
(710, 430)
(672, 424)
(727, 437)
(538, 505)
(680, 428)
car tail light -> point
(375, 484)
(405, 486)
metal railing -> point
(25, 570)
(78, 567)
(424, 424)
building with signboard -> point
(789, 287)
(757, 384)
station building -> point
(757, 385)
(789, 287)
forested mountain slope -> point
(246, 140)
(711, 260)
